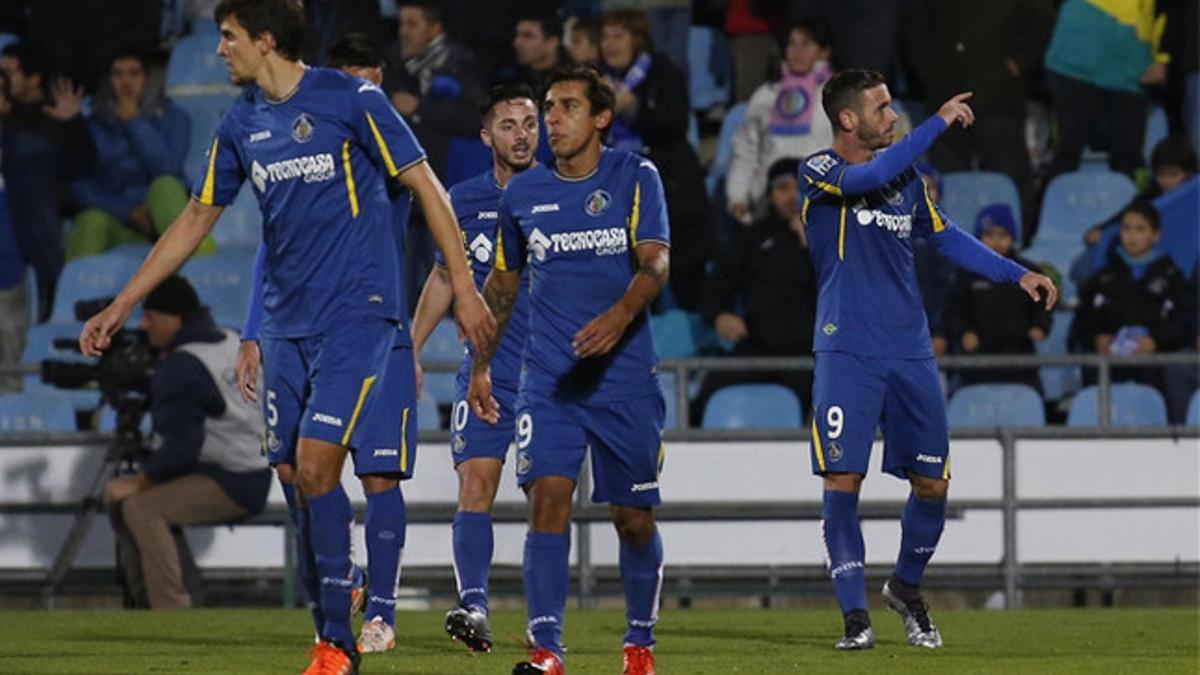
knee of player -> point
(477, 494)
(286, 473)
(635, 526)
(375, 484)
(931, 489)
(313, 481)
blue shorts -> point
(471, 437)
(852, 395)
(322, 386)
(388, 432)
(625, 438)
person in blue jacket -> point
(141, 139)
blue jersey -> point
(860, 240)
(319, 163)
(475, 203)
(579, 236)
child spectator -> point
(583, 42)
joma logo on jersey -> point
(602, 241)
(312, 168)
(900, 225)
(327, 419)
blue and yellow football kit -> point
(578, 237)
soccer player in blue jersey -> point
(509, 116)
(386, 454)
(874, 357)
(594, 228)
(321, 150)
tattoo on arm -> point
(501, 296)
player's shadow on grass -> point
(769, 637)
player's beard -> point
(514, 166)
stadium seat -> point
(205, 111)
(673, 334)
(1156, 130)
(667, 382)
(965, 194)
(194, 69)
(1130, 405)
(1058, 382)
(996, 405)
(710, 68)
(466, 157)
(36, 411)
(240, 223)
(443, 343)
(746, 406)
(428, 416)
(1075, 201)
(223, 282)
(1193, 411)
(729, 125)
(98, 276)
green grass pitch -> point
(690, 642)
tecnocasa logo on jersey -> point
(312, 168)
(602, 241)
(898, 224)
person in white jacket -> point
(783, 118)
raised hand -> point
(956, 110)
(68, 100)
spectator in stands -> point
(207, 466)
(935, 274)
(538, 46)
(783, 119)
(866, 33)
(1172, 163)
(1180, 383)
(652, 119)
(436, 85)
(762, 295)
(983, 317)
(14, 308)
(1138, 303)
(46, 143)
(750, 26)
(486, 28)
(327, 20)
(583, 42)
(1179, 41)
(669, 20)
(141, 138)
(1101, 58)
(991, 48)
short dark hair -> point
(818, 31)
(548, 23)
(1173, 151)
(634, 21)
(355, 50)
(431, 9)
(589, 26)
(505, 91)
(129, 53)
(283, 19)
(844, 90)
(174, 295)
(32, 61)
(600, 94)
(1144, 208)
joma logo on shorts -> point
(642, 487)
(387, 452)
(327, 419)
(929, 459)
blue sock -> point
(921, 527)
(386, 523)
(641, 575)
(547, 583)
(330, 517)
(845, 549)
(306, 565)
(473, 546)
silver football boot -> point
(921, 631)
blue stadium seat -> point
(964, 194)
(194, 69)
(1076, 201)
(1058, 382)
(729, 125)
(745, 406)
(88, 278)
(223, 282)
(466, 157)
(443, 343)
(108, 422)
(206, 111)
(996, 405)
(673, 334)
(240, 223)
(1180, 211)
(1193, 411)
(1156, 130)
(441, 387)
(36, 411)
(1130, 405)
(428, 416)
(710, 68)
(667, 382)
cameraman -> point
(206, 465)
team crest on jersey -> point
(524, 463)
(835, 452)
(829, 329)
(792, 102)
(460, 443)
(302, 128)
(272, 441)
(597, 203)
